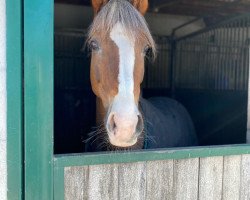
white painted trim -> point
(3, 109)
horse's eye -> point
(94, 46)
(147, 51)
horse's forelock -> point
(123, 12)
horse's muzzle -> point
(123, 130)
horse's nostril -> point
(140, 125)
(126, 126)
(111, 123)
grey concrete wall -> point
(3, 135)
(80, 17)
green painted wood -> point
(38, 99)
(14, 100)
(148, 155)
(58, 183)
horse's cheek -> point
(94, 82)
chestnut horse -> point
(119, 40)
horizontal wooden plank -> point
(148, 155)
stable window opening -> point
(202, 62)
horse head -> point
(119, 40)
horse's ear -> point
(98, 4)
(140, 5)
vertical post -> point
(14, 98)
(38, 99)
(3, 129)
(248, 104)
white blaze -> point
(124, 100)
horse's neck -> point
(100, 112)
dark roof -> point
(210, 10)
